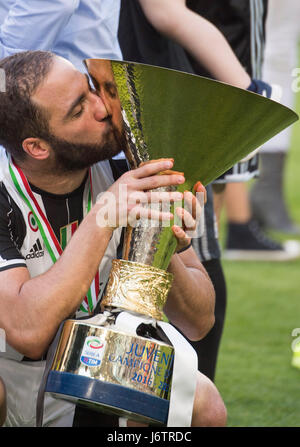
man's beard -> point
(77, 156)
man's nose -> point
(102, 108)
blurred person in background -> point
(157, 33)
(172, 35)
(267, 196)
(151, 41)
(73, 29)
(180, 34)
(243, 24)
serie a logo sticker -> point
(32, 222)
(92, 351)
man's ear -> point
(36, 148)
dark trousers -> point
(207, 348)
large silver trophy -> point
(122, 361)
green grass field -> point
(254, 373)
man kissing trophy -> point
(128, 360)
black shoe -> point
(247, 242)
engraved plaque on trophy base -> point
(113, 372)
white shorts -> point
(22, 381)
(281, 60)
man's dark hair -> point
(20, 118)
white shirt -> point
(73, 29)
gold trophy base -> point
(137, 287)
(112, 371)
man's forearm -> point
(197, 36)
(190, 304)
(41, 303)
(32, 309)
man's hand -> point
(189, 216)
(123, 203)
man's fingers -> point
(186, 219)
(183, 240)
(200, 189)
(192, 204)
(180, 234)
(155, 174)
(158, 181)
(154, 197)
(152, 167)
(140, 212)
(163, 196)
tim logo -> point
(92, 351)
(2, 340)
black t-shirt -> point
(241, 21)
(140, 42)
(243, 24)
(61, 210)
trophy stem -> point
(137, 287)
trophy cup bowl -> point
(206, 126)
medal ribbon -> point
(50, 240)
